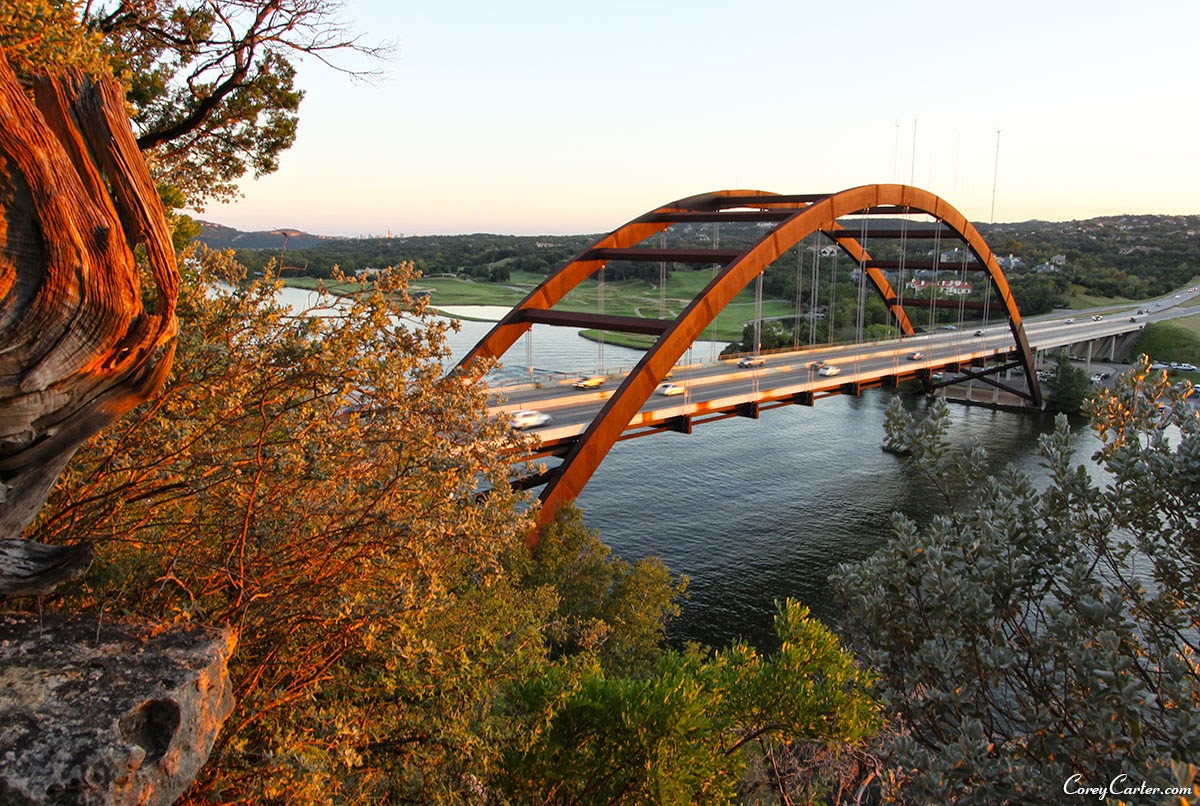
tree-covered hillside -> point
(486, 257)
(218, 236)
(1132, 256)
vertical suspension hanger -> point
(831, 315)
(712, 341)
(987, 299)
(861, 317)
(528, 339)
(937, 261)
(894, 320)
(662, 278)
(814, 294)
(799, 278)
(758, 289)
(600, 340)
(987, 310)
(962, 298)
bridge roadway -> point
(717, 391)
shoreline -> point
(471, 313)
(633, 341)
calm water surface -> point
(753, 511)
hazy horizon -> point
(542, 118)
(365, 235)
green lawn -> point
(1083, 301)
(624, 298)
(642, 299)
(639, 298)
(1190, 323)
(636, 341)
(452, 291)
(1176, 340)
(310, 283)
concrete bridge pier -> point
(1126, 343)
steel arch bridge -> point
(786, 220)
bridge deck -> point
(716, 392)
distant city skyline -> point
(541, 118)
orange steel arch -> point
(794, 218)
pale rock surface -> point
(109, 712)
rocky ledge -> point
(108, 712)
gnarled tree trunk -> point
(78, 347)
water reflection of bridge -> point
(995, 349)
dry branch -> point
(78, 347)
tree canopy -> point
(1069, 385)
(311, 480)
(212, 83)
(44, 36)
(1030, 636)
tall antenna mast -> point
(995, 173)
(896, 153)
(912, 170)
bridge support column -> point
(1112, 349)
(680, 425)
(748, 409)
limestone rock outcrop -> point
(102, 712)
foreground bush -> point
(689, 730)
(1027, 637)
(309, 480)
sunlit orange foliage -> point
(309, 480)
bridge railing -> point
(543, 378)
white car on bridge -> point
(829, 370)
(528, 418)
(669, 389)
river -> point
(753, 511)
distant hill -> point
(1130, 256)
(218, 236)
(480, 255)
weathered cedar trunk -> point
(77, 346)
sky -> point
(560, 117)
